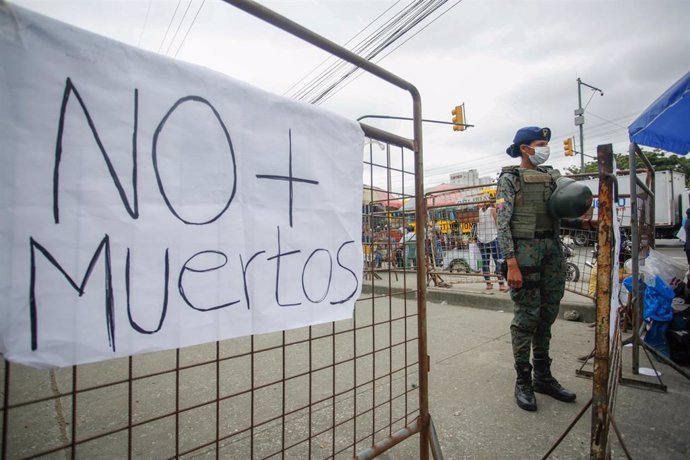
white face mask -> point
(541, 154)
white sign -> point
(149, 204)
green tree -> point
(657, 158)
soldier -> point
(528, 236)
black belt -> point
(539, 236)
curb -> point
(475, 300)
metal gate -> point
(616, 316)
(346, 389)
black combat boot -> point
(524, 394)
(546, 384)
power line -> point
(146, 20)
(496, 159)
(609, 121)
(169, 25)
(345, 44)
(335, 76)
(380, 47)
(369, 41)
(179, 24)
(420, 30)
(190, 27)
(394, 49)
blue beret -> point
(526, 136)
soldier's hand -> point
(514, 274)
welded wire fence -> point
(353, 388)
(327, 391)
(462, 241)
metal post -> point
(582, 134)
(651, 225)
(600, 379)
(425, 120)
(5, 412)
(635, 236)
(307, 35)
(580, 119)
(420, 229)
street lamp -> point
(580, 119)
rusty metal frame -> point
(608, 350)
(602, 385)
(642, 231)
(71, 388)
(608, 367)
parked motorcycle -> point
(624, 254)
(572, 271)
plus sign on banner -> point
(149, 204)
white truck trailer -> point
(670, 200)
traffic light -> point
(458, 118)
(568, 147)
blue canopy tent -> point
(665, 124)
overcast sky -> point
(513, 63)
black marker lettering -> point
(278, 256)
(289, 178)
(244, 275)
(154, 154)
(353, 275)
(165, 297)
(330, 275)
(109, 298)
(132, 210)
(186, 268)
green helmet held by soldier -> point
(571, 199)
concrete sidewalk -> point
(474, 411)
(470, 291)
(472, 381)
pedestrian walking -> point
(408, 246)
(487, 233)
(528, 237)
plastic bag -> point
(475, 257)
(666, 267)
(627, 283)
(658, 299)
(681, 234)
(656, 337)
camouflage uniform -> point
(542, 266)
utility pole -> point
(580, 119)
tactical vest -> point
(530, 211)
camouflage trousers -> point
(542, 265)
